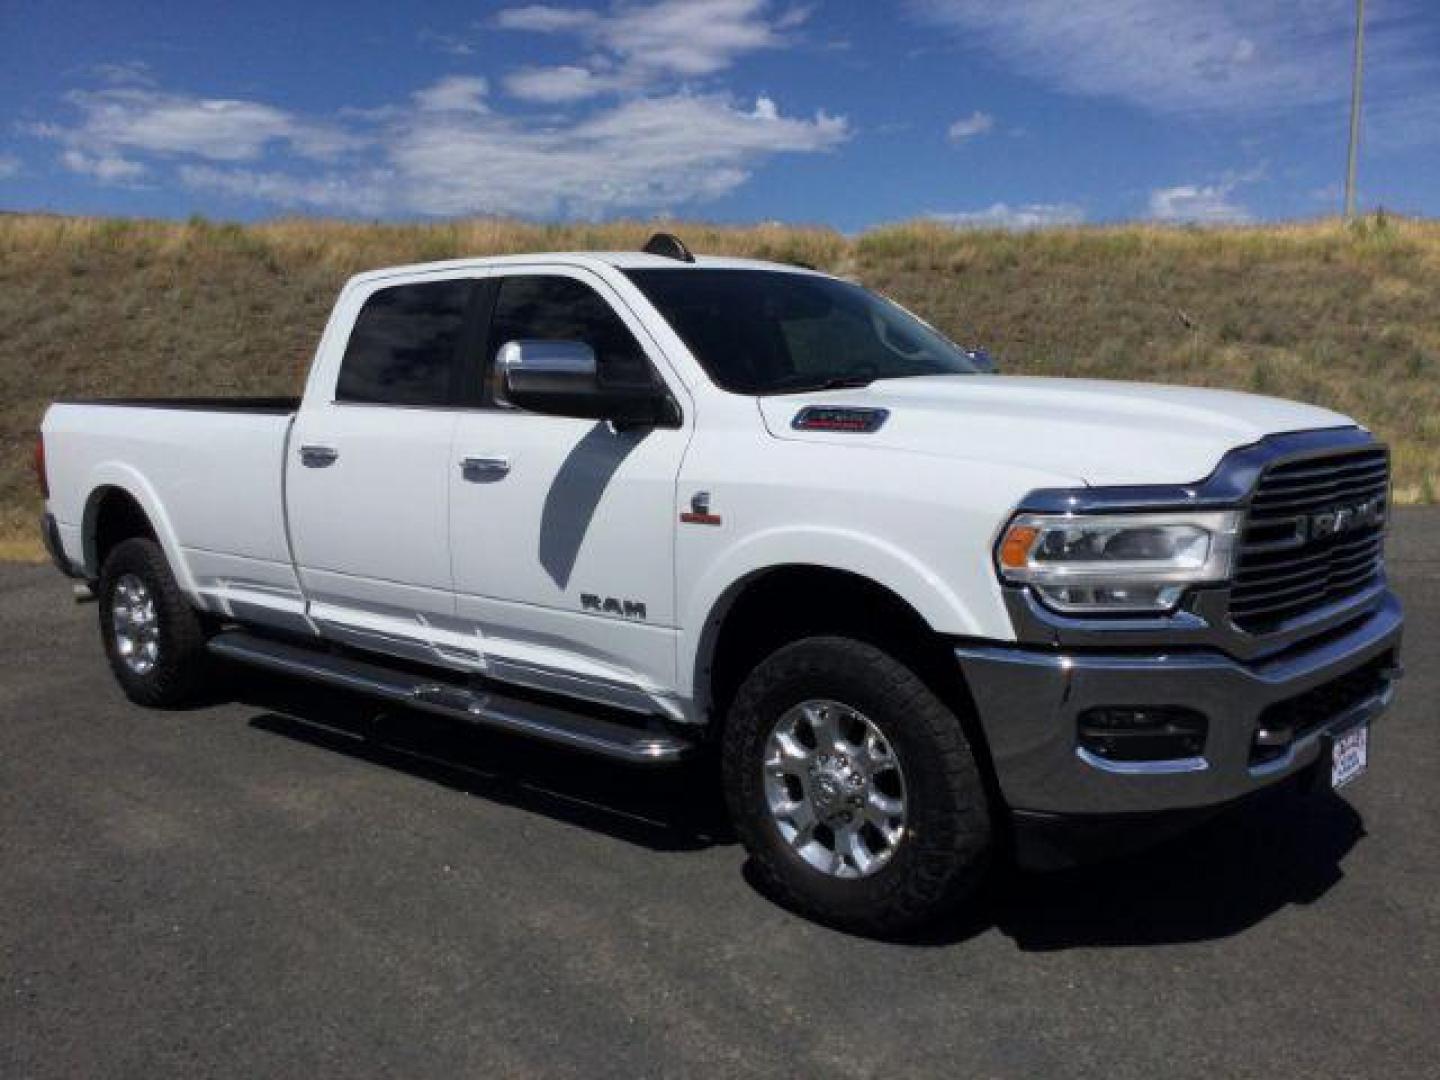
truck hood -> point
(1089, 430)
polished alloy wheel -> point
(137, 624)
(835, 789)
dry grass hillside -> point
(1348, 317)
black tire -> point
(181, 663)
(944, 850)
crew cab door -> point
(368, 472)
(563, 529)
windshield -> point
(772, 332)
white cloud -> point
(645, 154)
(442, 152)
(9, 166)
(1168, 56)
(125, 119)
(1206, 203)
(127, 73)
(545, 18)
(449, 44)
(455, 93)
(560, 84)
(634, 47)
(689, 37)
(1004, 216)
(107, 168)
(665, 37)
(795, 16)
(448, 150)
(344, 194)
(968, 127)
(1201, 204)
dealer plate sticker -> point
(1350, 756)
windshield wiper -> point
(847, 382)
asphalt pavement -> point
(303, 883)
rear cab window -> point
(405, 344)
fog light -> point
(1281, 736)
(1149, 733)
(1272, 742)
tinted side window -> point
(402, 348)
(563, 309)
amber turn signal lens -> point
(1015, 549)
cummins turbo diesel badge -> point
(860, 421)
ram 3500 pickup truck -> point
(642, 503)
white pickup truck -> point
(643, 503)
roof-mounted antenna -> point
(668, 246)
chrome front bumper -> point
(1029, 700)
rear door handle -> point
(481, 469)
(318, 457)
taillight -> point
(40, 477)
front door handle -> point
(482, 469)
(318, 457)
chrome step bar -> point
(549, 723)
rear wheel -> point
(853, 787)
(153, 638)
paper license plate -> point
(1349, 754)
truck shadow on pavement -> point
(1281, 849)
(671, 809)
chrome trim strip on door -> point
(617, 695)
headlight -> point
(1116, 562)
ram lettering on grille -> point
(1313, 536)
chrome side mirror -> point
(544, 368)
(548, 357)
(561, 378)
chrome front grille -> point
(1314, 534)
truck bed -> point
(207, 472)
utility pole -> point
(1356, 79)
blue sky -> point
(843, 113)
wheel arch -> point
(122, 505)
(774, 605)
(854, 556)
(761, 612)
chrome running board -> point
(640, 745)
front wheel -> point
(153, 638)
(853, 787)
